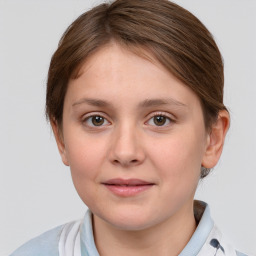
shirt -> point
(76, 239)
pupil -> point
(97, 120)
(159, 120)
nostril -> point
(126, 163)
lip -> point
(127, 187)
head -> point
(153, 34)
(171, 34)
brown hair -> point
(175, 37)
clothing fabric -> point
(76, 239)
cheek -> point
(85, 162)
(85, 156)
(179, 157)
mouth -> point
(127, 187)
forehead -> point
(115, 71)
(106, 52)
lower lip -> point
(128, 191)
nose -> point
(126, 147)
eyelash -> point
(86, 119)
(161, 114)
(166, 117)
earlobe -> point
(215, 140)
(60, 142)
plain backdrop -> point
(36, 191)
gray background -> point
(36, 192)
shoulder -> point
(43, 245)
(207, 238)
(222, 244)
(241, 254)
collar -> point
(197, 241)
(204, 227)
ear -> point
(60, 142)
(215, 140)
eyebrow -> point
(93, 102)
(159, 102)
(144, 104)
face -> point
(134, 138)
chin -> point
(130, 224)
(130, 220)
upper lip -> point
(127, 182)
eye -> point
(159, 120)
(96, 120)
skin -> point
(128, 91)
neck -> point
(166, 238)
